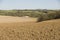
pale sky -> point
(29, 4)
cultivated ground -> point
(17, 28)
(10, 19)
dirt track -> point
(9, 19)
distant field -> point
(22, 28)
(10, 19)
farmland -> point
(30, 24)
(18, 29)
(9, 19)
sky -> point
(29, 4)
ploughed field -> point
(22, 28)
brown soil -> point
(46, 30)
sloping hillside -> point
(46, 30)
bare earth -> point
(22, 28)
